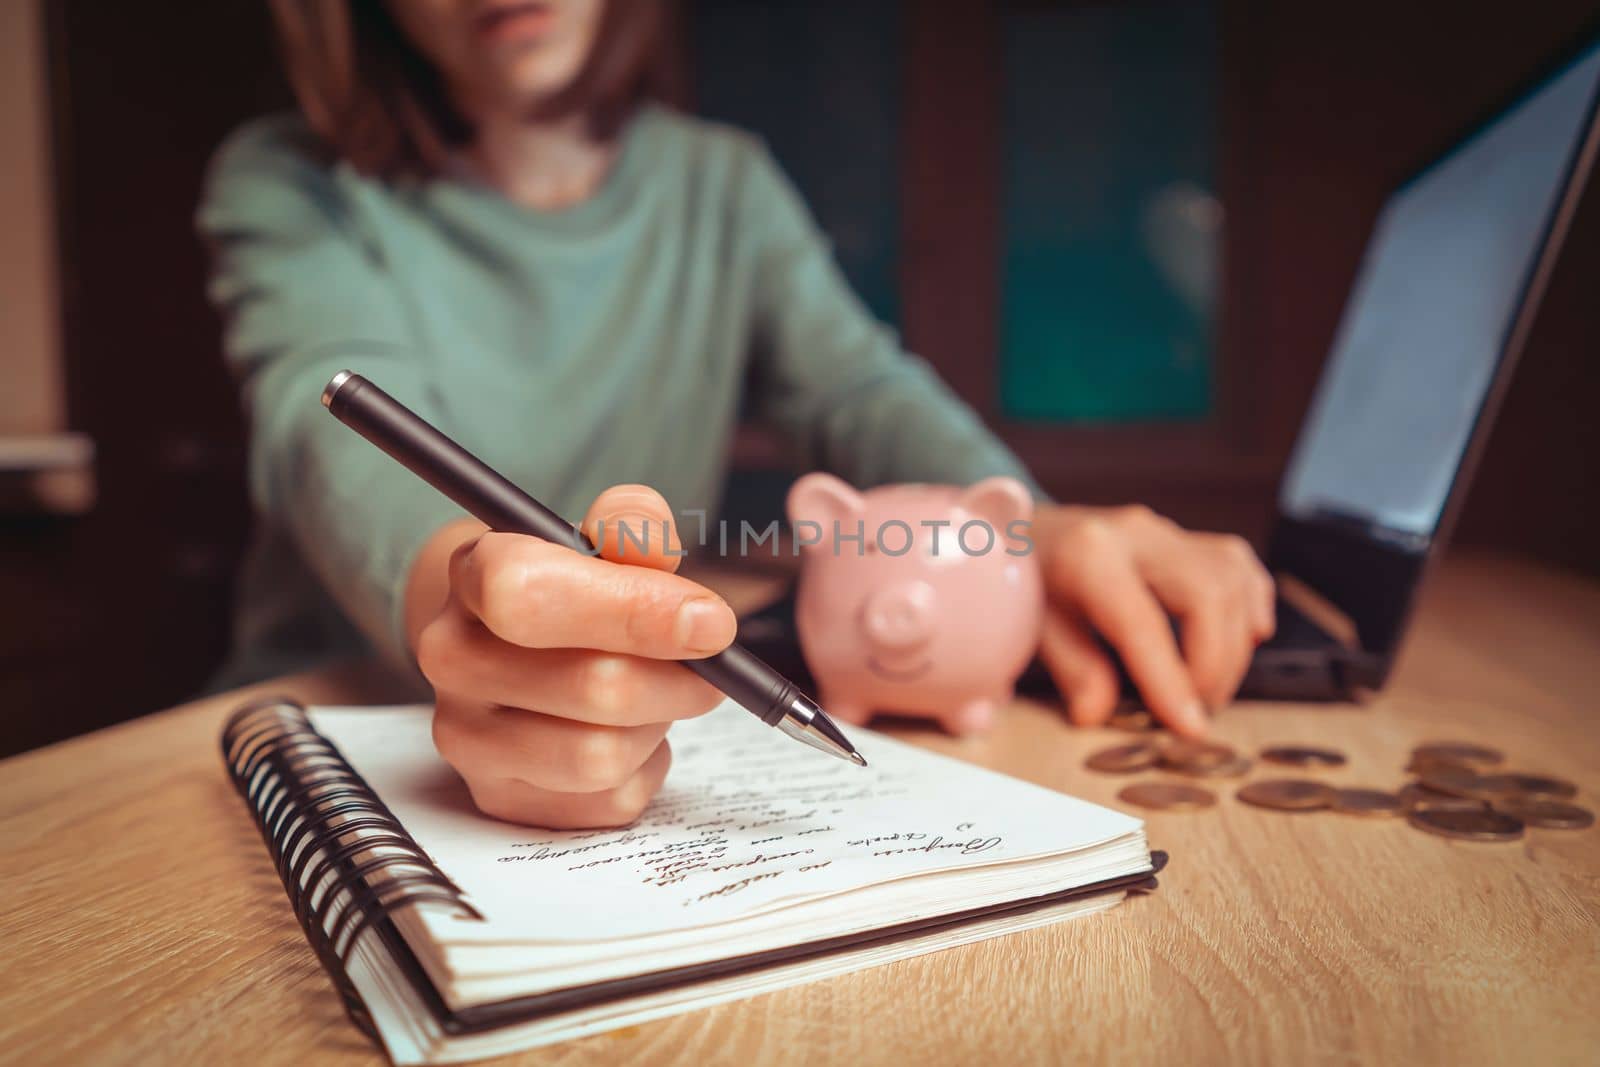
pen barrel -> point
(748, 681)
(501, 505)
(452, 470)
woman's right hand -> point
(552, 670)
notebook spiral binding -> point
(307, 803)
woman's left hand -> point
(1121, 572)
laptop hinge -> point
(1354, 669)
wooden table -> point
(143, 922)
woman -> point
(481, 210)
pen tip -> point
(817, 730)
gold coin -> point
(1419, 764)
(1482, 825)
(1288, 794)
(1547, 814)
(1237, 767)
(1374, 802)
(1459, 752)
(1199, 754)
(1527, 785)
(1133, 721)
(1303, 756)
(1453, 780)
(1164, 796)
(1414, 797)
(1123, 759)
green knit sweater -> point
(572, 350)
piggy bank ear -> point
(998, 501)
(824, 500)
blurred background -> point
(1123, 231)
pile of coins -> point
(1456, 790)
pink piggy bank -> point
(916, 598)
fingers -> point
(547, 751)
(458, 655)
(1217, 634)
(539, 595)
(1096, 577)
(1236, 677)
(588, 641)
(1217, 646)
(633, 524)
(1082, 672)
(1238, 563)
(1211, 648)
(1264, 602)
(1215, 587)
(518, 801)
(1133, 622)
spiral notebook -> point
(761, 864)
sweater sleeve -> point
(303, 296)
(835, 381)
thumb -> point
(633, 524)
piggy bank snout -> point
(901, 616)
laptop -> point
(1447, 291)
(1446, 294)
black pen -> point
(496, 502)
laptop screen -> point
(1430, 313)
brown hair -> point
(365, 88)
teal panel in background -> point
(1110, 252)
(822, 84)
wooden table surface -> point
(143, 923)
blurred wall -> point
(30, 391)
(125, 610)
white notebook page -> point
(748, 821)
